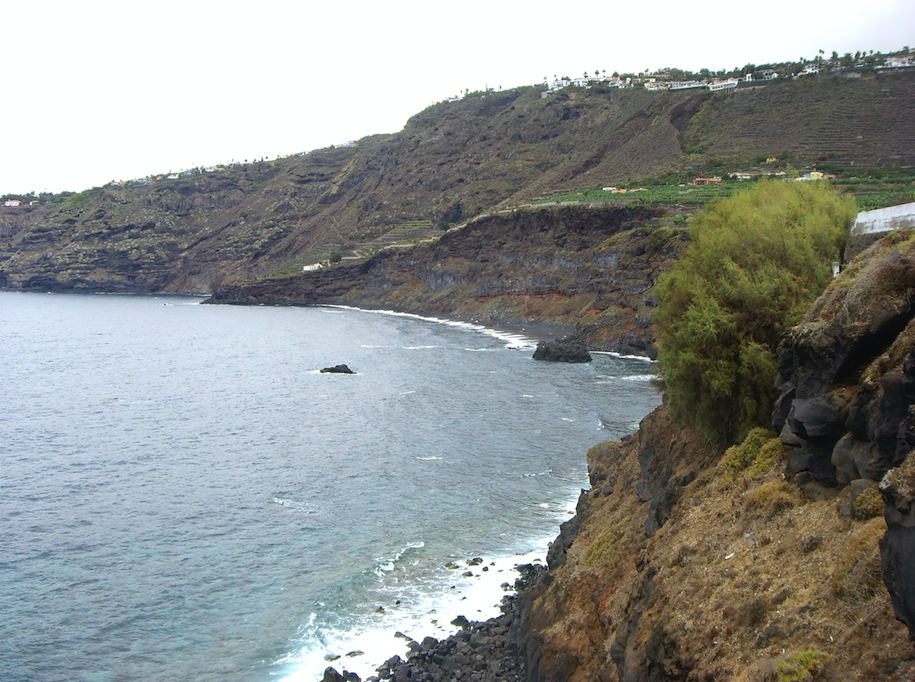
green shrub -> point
(770, 454)
(756, 455)
(801, 666)
(739, 457)
(755, 262)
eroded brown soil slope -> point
(744, 575)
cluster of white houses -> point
(662, 81)
(655, 82)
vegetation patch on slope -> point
(755, 263)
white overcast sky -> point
(98, 90)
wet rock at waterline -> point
(337, 369)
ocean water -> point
(184, 496)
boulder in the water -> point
(562, 350)
(337, 369)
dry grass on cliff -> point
(747, 581)
(772, 574)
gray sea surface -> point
(184, 496)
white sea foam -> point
(421, 606)
(427, 613)
(513, 341)
(623, 356)
(296, 505)
(386, 565)
(638, 377)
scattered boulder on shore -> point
(337, 369)
(562, 350)
(331, 675)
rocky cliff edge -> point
(762, 562)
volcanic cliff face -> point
(763, 562)
(845, 373)
(594, 268)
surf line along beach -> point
(480, 650)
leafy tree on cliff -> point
(755, 263)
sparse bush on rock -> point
(771, 499)
(857, 578)
(738, 457)
(868, 504)
(759, 452)
(801, 666)
(770, 454)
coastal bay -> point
(186, 494)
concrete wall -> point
(870, 226)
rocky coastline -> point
(787, 557)
(481, 651)
(493, 650)
(682, 565)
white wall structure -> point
(870, 226)
(882, 220)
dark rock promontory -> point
(847, 374)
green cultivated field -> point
(879, 191)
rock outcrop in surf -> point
(562, 350)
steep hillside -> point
(745, 577)
(763, 562)
(451, 162)
(859, 123)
